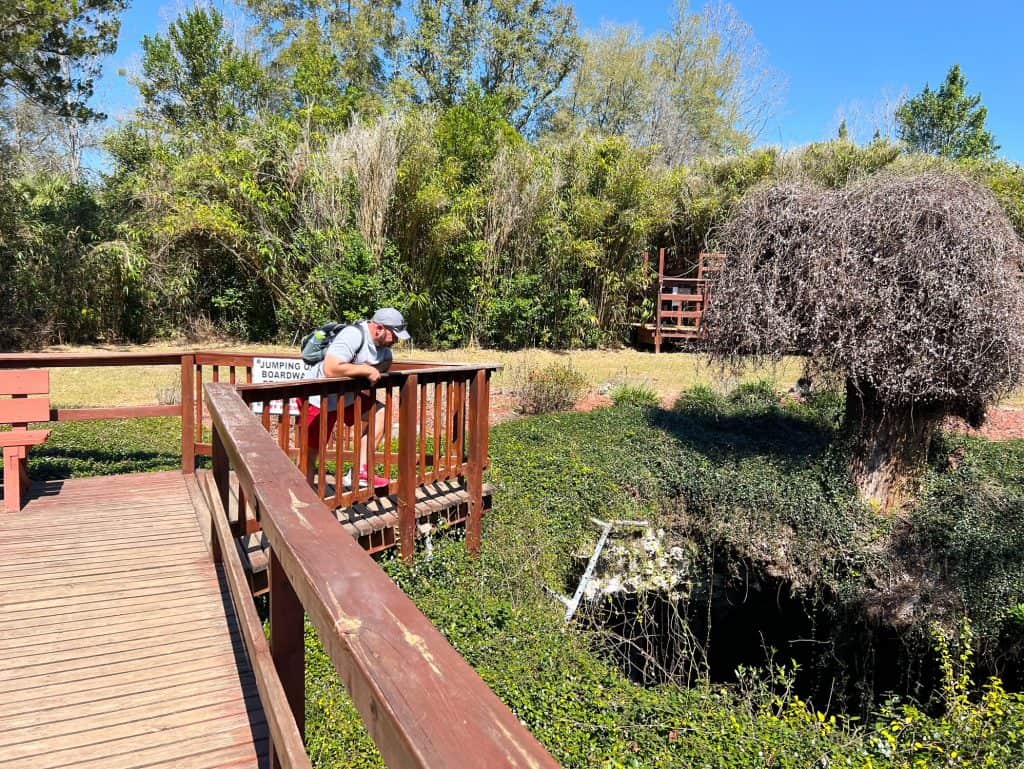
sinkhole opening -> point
(838, 657)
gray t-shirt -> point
(348, 346)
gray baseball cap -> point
(392, 318)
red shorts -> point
(313, 418)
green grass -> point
(107, 447)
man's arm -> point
(334, 366)
(338, 362)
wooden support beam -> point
(188, 415)
(407, 448)
(287, 645)
(477, 459)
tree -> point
(701, 88)
(50, 49)
(197, 77)
(906, 289)
(520, 51)
(363, 36)
(946, 122)
(612, 84)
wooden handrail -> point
(284, 730)
(68, 359)
(421, 702)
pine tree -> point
(50, 50)
(947, 122)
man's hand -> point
(333, 367)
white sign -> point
(277, 370)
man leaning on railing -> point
(362, 349)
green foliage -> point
(196, 79)
(612, 205)
(756, 396)
(705, 193)
(836, 163)
(697, 89)
(628, 394)
(555, 387)
(969, 527)
(946, 122)
(474, 163)
(699, 400)
(359, 40)
(107, 447)
(989, 732)
(50, 50)
(756, 481)
(516, 315)
(57, 285)
(236, 229)
(517, 52)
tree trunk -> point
(890, 444)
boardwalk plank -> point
(113, 643)
(118, 646)
(117, 699)
(47, 609)
(100, 665)
(158, 562)
(10, 601)
(87, 582)
(139, 750)
(153, 625)
(129, 723)
(41, 698)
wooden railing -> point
(199, 368)
(681, 302)
(186, 362)
(437, 414)
(421, 702)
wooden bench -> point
(18, 411)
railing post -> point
(287, 645)
(407, 445)
(657, 300)
(188, 415)
(221, 481)
(477, 459)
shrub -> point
(169, 395)
(757, 395)
(627, 394)
(699, 399)
(555, 387)
(988, 732)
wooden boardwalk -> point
(118, 644)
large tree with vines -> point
(906, 290)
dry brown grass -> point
(667, 374)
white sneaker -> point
(347, 481)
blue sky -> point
(837, 58)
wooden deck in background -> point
(118, 644)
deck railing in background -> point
(441, 455)
(184, 409)
(439, 417)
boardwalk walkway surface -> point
(118, 644)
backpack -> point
(314, 344)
